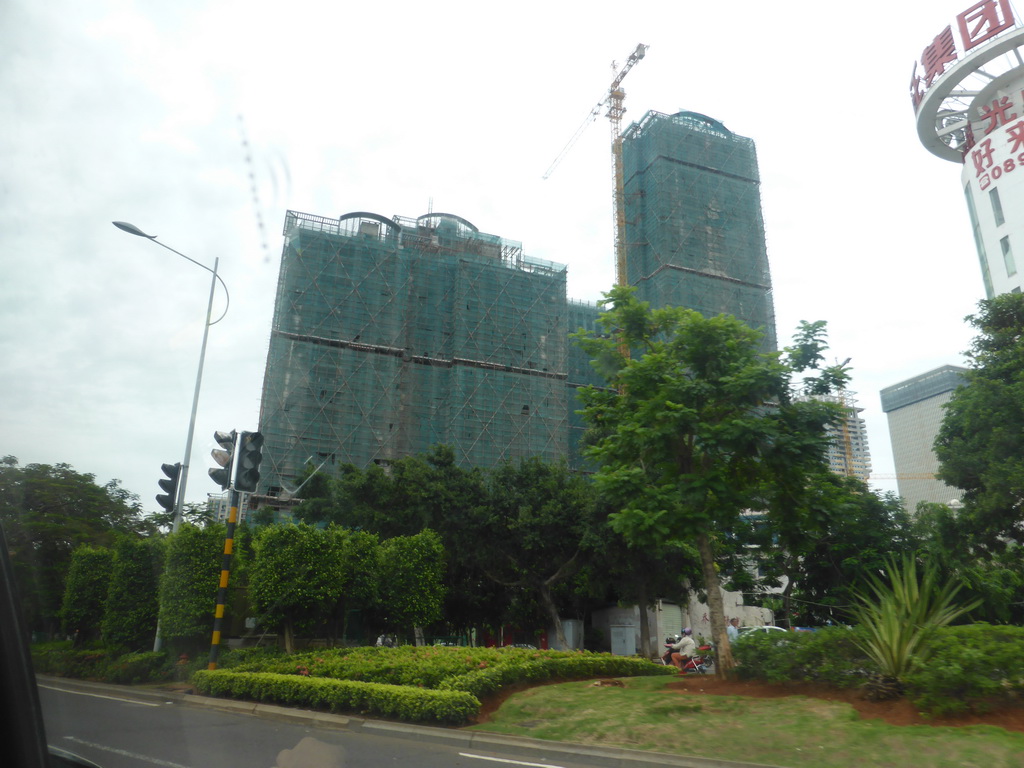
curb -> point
(597, 757)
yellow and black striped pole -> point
(225, 569)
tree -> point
(698, 426)
(530, 533)
(994, 578)
(360, 571)
(188, 586)
(295, 579)
(411, 570)
(838, 531)
(85, 594)
(47, 511)
(980, 445)
(623, 574)
(412, 494)
(132, 604)
(199, 515)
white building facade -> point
(914, 409)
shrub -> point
(129, 621)
(134, 668)
(972, 669)
(101, 664)
(400, 702)
(85, 593)
(830, 655)
(473, 671)
(900, 617)
(188, 586)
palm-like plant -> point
(899, 617)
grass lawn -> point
(794, 731)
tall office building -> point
(914, 409)
(694, 228)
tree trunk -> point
(645, 625)
(549, 603)
(289, 636)
(716, 607)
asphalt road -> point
(126, 727)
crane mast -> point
(616, 109)
(614, 99)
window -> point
(1011, 267)
(997, 206)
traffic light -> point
(223, 456)
(250, 454)
(170, 485)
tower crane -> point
(614, 99)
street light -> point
(133, 230)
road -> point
(117, 729)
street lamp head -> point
(132, 229)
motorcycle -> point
(700, 663)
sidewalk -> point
(538, 750)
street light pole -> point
(133, 230)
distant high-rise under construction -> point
(694, 228)
(392, 335)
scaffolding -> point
(694, 226)
(392, 335)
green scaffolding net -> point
(694, 227)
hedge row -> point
(103, 665)
(437, 666)
(974, 668)
(394, 701)
(828, 656)
(423, 674)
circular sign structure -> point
(943, 116)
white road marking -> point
(99, 696)
(125, 753)
(510, 762)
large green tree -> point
(85, 593)
(697, 426)
(848, 535)
(410, 572)
(132, 605)
(188, 586)
(532, 532)
(980, 445)
(296, 578)
(994, 578)
(410, 495)
(49, 510)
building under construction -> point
(392, 335)
(694, 228)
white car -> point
(765, 628)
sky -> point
(204, 121)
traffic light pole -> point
(225, 570)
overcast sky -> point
(203, 122)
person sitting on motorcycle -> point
(683, 649)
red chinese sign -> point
(978, 24)
(998, 156)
